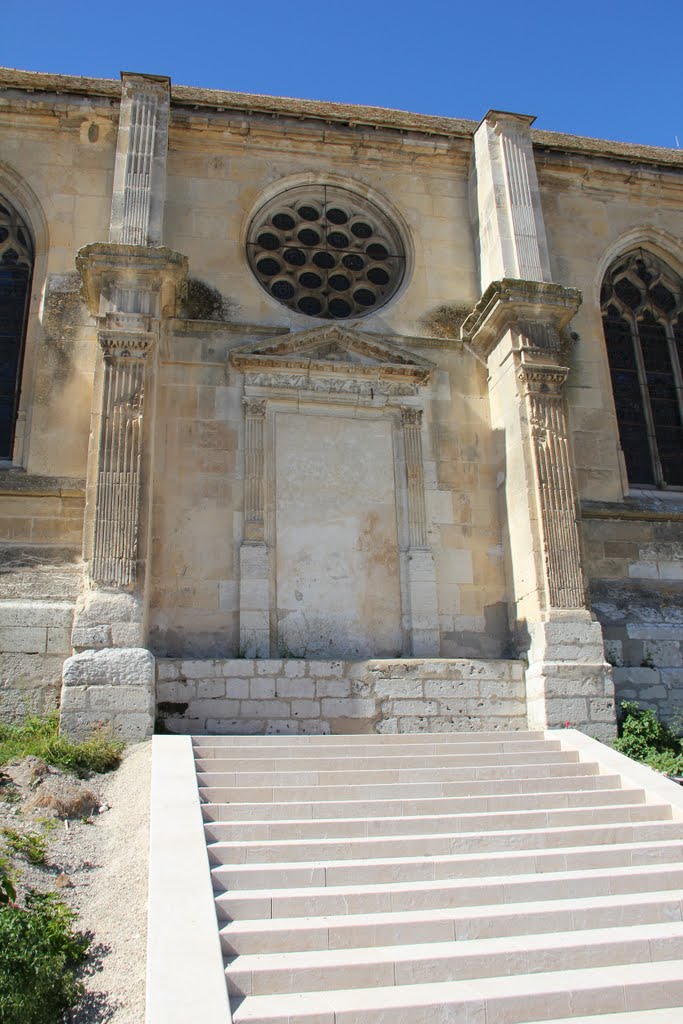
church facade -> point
(326, 418)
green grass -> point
(40, 737)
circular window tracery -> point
(326, 252)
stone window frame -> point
(17, 250)
(626, 315)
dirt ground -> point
(97, 832)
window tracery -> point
(642, 311)
(326, 252)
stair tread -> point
(629, 985)
(462, 948)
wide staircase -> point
(480, 878)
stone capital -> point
(110, 269)
(539, 379)
(535, 310)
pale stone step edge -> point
(452, 924)
(381, 966)
(185, 979)
(658, 788)
(611, 989)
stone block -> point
(663, 653)
(217, 708)
(326, 669)
(264, 709)
(91, 637)
(23, 639)
(261, 689)
(237, 689)
(399, 688)
(295, 668)
(58, 640)
(357, 707)
(200, 669)
(167, 670)
(305, 709)
(120, 684)
(207, 689)
(295, 687)
(266, 667)
(332, 687)
(241, 667)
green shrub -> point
(40, 737)
(644, 738)
(39, 952)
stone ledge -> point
(16, 481)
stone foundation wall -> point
(295, 696)
(35, 638)
(636, 567)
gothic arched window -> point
(642, 314)
(16, 267)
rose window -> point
(326, 252)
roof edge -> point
(346, 113)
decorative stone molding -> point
(411, 419)
(118, 475)
(140, 168)
(536, 310)
(543, 390)
(334, 361)
(356, 375)
(254, 419)
(128, 278)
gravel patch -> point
(98, 864)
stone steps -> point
(441, 877)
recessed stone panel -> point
(337, 574)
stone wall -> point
(244, 696)
(635, 564)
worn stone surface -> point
(111, 689)
(298, 696)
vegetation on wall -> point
(204, 302)
(445, 321)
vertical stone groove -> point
(118, 479)
(521, 208)
(138, 179)
(417, 517)
(556, 493)
(254, 418)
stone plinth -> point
(111, 689)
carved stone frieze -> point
(367, 386)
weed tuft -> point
(40, 737)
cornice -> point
(335, 113)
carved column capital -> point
(410, 416)
(536, 311)
(542, 380)
(254, 406)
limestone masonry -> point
(326, 418)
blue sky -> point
(590, 67)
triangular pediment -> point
(333, 349)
